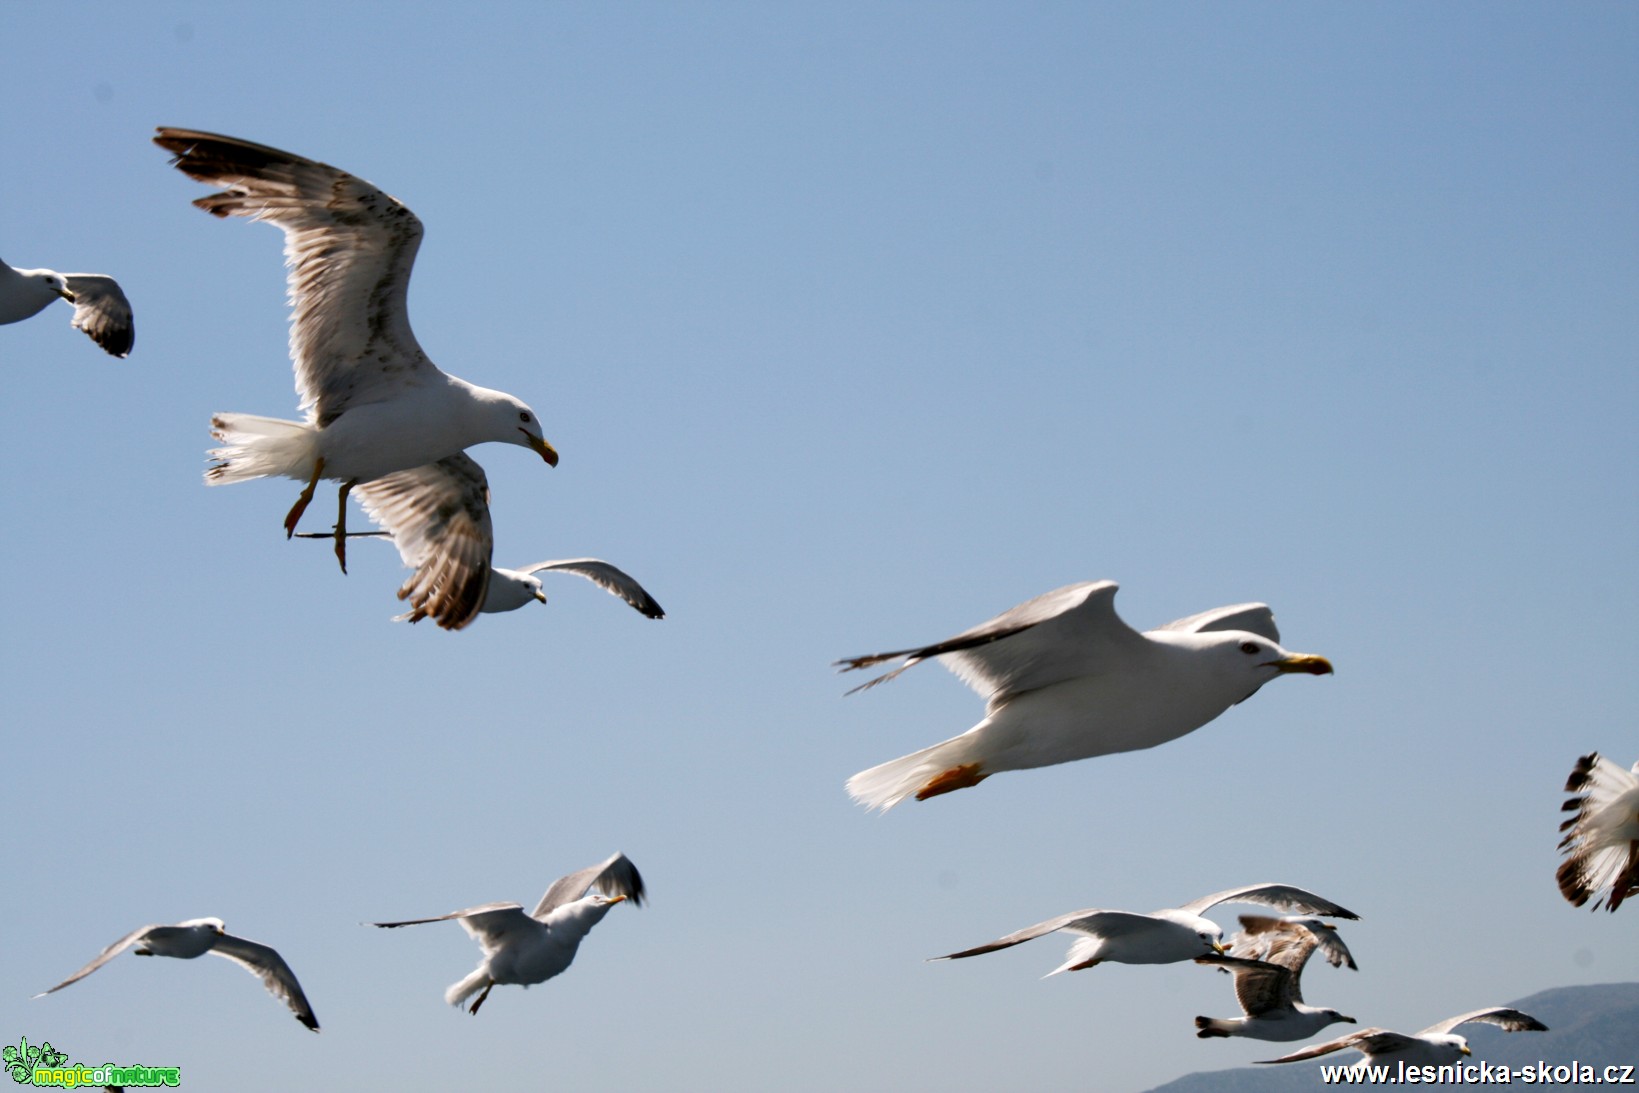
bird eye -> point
(1249, 647)
(524, 417)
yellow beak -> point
(540, 447)
(1303, 662)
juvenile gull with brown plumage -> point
(1267, 958)
(374, 403)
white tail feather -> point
(886, 785)
(460, 992)
(258, 447)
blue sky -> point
(855, 325)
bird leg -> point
(295, 514)
(341, 522)
(480, 999)
(953, 779)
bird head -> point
(529, 433)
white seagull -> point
(1166, 936)
(1602, 841)
(1436, 1045)
(1267, 958)
(374, 403)
(198, 936)
(532, 948)
(100, 307)
(438, 517)
(1064, 679)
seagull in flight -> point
(532, 948)
(1266, 984)
(1064, 679)
(100, 307)
(198, 936)
(374, 402)
(1436, 1045)
(1166, 936)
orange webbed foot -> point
(953, 779)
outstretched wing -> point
(1601, 844)
(614, 876)
(267, 965)
(103, 957)
(102, 311)
(610, 578)
(1093, 921)
(1289, 942)
(1284, 896)
(1056, 636)
(349, 247)
(438, 515)
(1372, 1041)
(1509, 1020)
(1254, 618)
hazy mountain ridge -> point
(1596, 1024)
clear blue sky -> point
(855, 325)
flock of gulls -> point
(1063, 677)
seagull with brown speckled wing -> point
(375, 403)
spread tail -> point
(257, 447)
(1210, 1027)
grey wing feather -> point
(1284, 896)
(609, 577)
(438, 515)
(102, 311)
(1056, 636)
(268, 966)
(614, 876)
(350, 248)
(103, 957)
(482, 908)
(1254, 618)
(1509, 1020)
(1092, 920)
(1371, 1040)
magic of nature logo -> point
(42, 1064)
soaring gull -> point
(208, 935)
(1601, 844)
(1267, 958)
(374, 403)
(100, 306)
(1064, 679)
(1166, 936)
(438, 517)
(532, 948)
(1436, 1045)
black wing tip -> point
(1581, 773)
